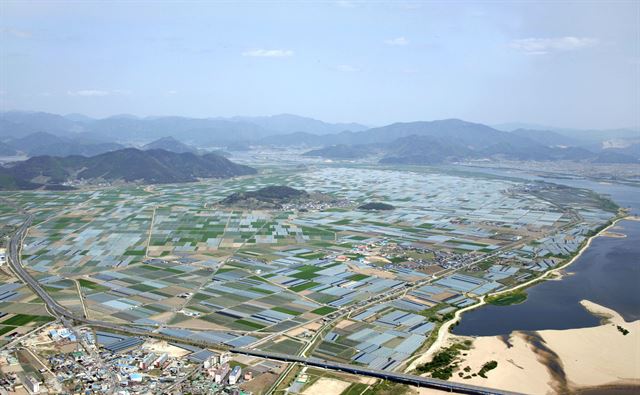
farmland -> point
(363, 287)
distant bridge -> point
(402, 378)
(61, 312)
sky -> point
(559, 63)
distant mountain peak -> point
(125, 165)
(77, 117)
(291, 123)
(123, 116)
(169, 143)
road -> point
(402, 378)
(85, 313)
(67, 317)
(363, 305)
(56, 309)
(14, 248)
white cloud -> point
(542, 46)
(88, 92)
(347, 68)
(172, 92)
(399, 41)
(269, 53)
(15, 32)
(99, 93)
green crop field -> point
(515, 297)
(302, 287)
(24, 319)
(324, 310)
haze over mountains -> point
(75, 146)
(199, 130)
(170, 144)
(42, 143)
(451, 140)
(125, 165)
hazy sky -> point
(569, 64)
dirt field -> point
(370, 271)
(327, 386)
(260, 384)
(162, 346)
(344, 324)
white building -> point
(147, 361)
(32, 384)
(224, 358)
(235, 375)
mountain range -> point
(42, 143)
(127, 128)
(418, 142)
(125, 165)
(453, 140)
(170, 144)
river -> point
(607, 273)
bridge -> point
(402, 378)
(15, 263)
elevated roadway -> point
(397, 377)
(57, 310)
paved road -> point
(67, 317)
(14, 261)
(381, 374)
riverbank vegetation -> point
(487, 367)
(625, 332)
(445, 361)
(514, 297)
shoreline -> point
(615, 235)
(559, 361)
(444, 331)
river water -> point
(607, 273)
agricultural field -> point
(364, 287)
(20, 310)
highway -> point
(380, 374)
(14, 260)
(67, 317)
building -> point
(235, 375)
(123, 344)
(221, 373)
(224, 358)
(32, 384)
(135, 378)
(211, 361)
(161, 361)
(147, 361)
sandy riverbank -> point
(442, 338)
(557, 361)
(614, 235)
